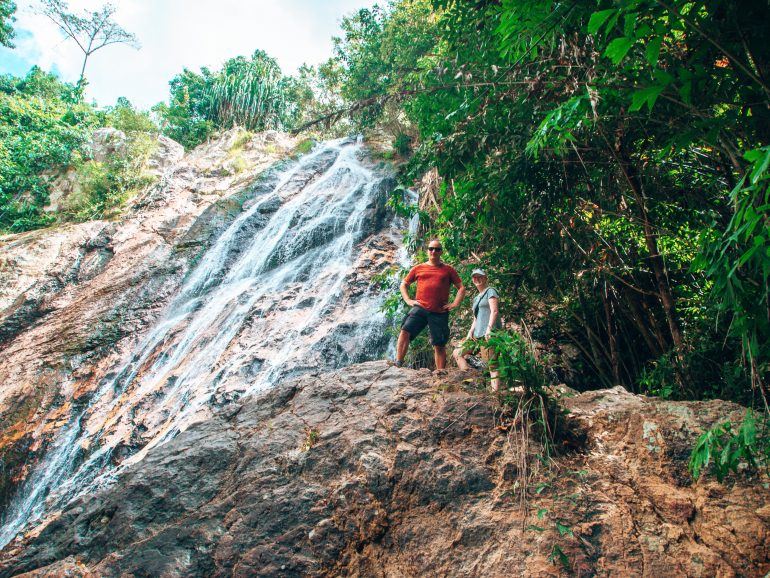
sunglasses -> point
(439, 249)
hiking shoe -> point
(395, 363)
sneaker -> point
(395, 363)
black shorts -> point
(438, 324)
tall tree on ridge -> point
(89, 33)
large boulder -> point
(380, 471)
(166, 154)
(107, 142)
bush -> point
(123, 116)
(42, 125)
(515, 362)
(103, 187)
(402, 144)
(728, 451)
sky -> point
(177, 34)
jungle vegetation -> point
(608, 161)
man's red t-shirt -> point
(433, 284)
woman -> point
(486, 318)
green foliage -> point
(185, 118)
(250, 92)
(587, 152)
(103, 187)
(304, 146)
(45, 128)
(402, 144)
(123, 116)
(726, 450)
(515, 362)
(7, 9)
(738, 264)
(42, 125)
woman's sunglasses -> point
(439, 249)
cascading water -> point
(271, 298)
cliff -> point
(379, 471)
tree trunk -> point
(651, 242)
(83, 69)
(614, 361)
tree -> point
(89, 33)
(7, 8)
(248, 93)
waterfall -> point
(271, 298)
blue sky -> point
(175, 34)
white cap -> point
(478, 272)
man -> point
(431, 305)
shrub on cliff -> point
(43, 123)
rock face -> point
(378, 471)
(165, 155)
(107, 142)
(73, 298)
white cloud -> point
(175, 34)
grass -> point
(304, 147)
(240, 141)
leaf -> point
(599, 18)
(618, 48)
(558, 554)
(749, 428)
(761, 167)
(629, 25)
(535, 528)
(541, 512)
(564, 530)
(652, 50)
(647, 95)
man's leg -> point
(403, 345)
(414, 322)
(439, 356)
(438, 323)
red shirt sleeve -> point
(456, 281)
(411, 276)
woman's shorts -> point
(438, 324)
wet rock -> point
(379, 471)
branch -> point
(64, 27)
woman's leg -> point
(489, 356)
(459, 356)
